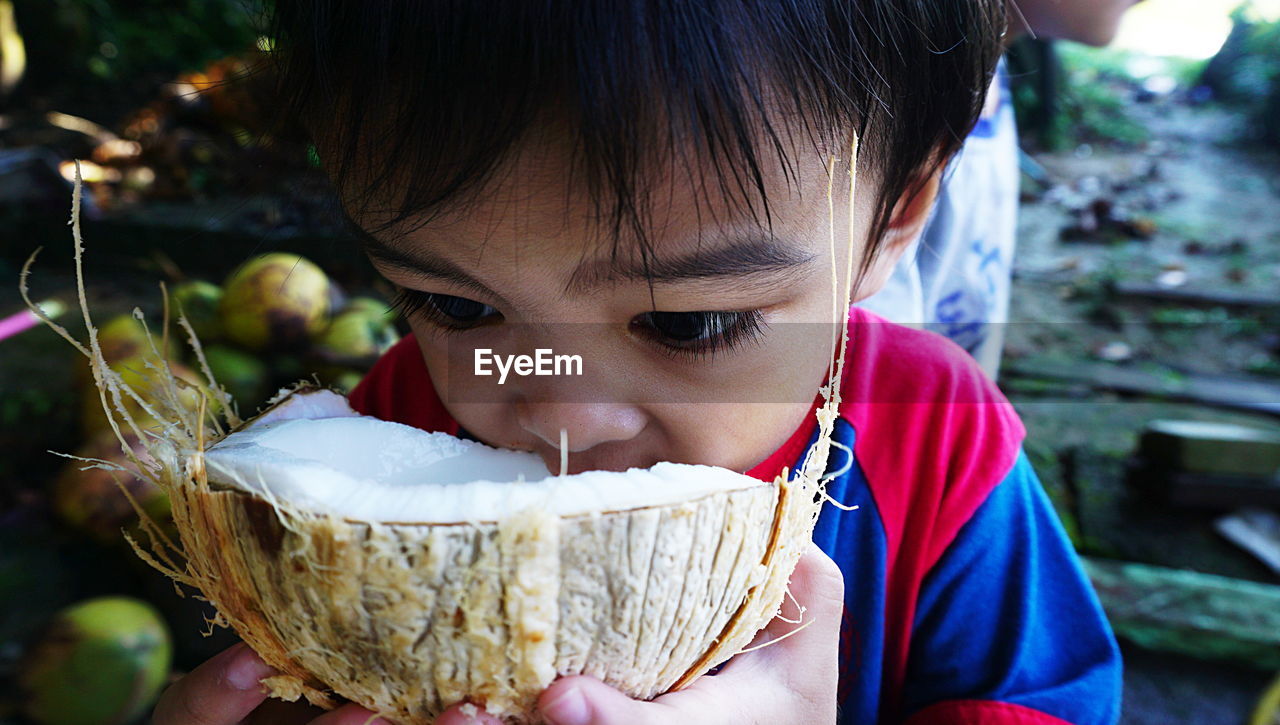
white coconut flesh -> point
(318, 455)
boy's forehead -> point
(530, 233)
(540, 192)
(537, 215)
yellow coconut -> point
(100, 661)
(199, 301)
(124, 341)
(140, 374)
(645, 579)
(275, 301)
(92, 492)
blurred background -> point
(1143, 352)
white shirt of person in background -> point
(956, 280)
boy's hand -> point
(225, 691)
(793, 681)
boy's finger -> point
(461, 715)
(279, 712)
(350, 715)
(587, 701)
(222, 691)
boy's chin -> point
(1101, 30)
(1099, 37)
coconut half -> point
(409, 571)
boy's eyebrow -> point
(420, 265)
(745, 256)
(755, 254)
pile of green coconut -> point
(277, 319)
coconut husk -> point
(408, 619)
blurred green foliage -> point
(1067, 94)
(1246, 74)
(1092, 107)
(84, 53)
(149, 35)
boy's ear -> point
(905, 226)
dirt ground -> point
(1212, 211)
(1207, 217)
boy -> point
(646, 186)
(957, 279)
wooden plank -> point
(1255, 530)
(1259, 396)
(1206, 447)
(1201, 615)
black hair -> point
(417, 103)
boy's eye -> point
(444, 310)
(699, 333)
(460, 309)
(683, 326)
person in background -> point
(956, 280)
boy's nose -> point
(586, 424)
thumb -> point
(809, 618)
(795, 677)
(793, 665)
(583, 700)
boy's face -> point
(1093, 22)
(722, 374)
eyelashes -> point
(691, 335)
(699, 334)
(450, 313)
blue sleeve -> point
(1008, 617)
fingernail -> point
(570, 708)
(468, 714)
(247, 670)
(480, 717)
